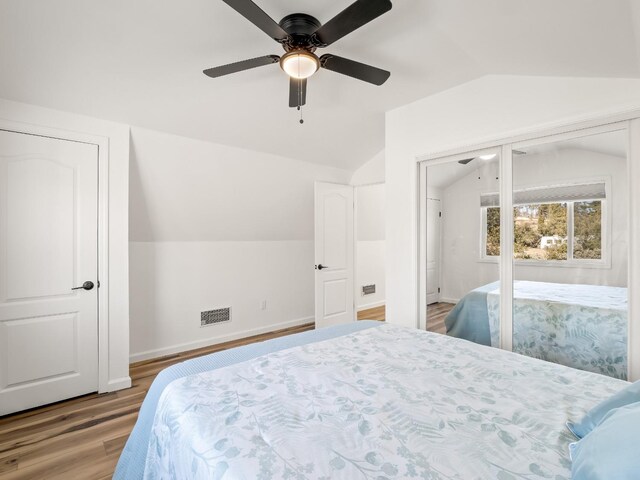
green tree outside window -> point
(541, 231)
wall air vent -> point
(368, 289)
(212, 317)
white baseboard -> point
(371, 305)
(117, 384)
(449, 300)
(183, 347)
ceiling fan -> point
(300, 35)
(489, 156)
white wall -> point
(462, 269)
(116, 136)
(370, 203)
(371, 172)
(370, 247)
(484, 110)
(215, 226)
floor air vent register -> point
(212, 317)
(368, 289)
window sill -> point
(603, 264)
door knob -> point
(320, 266)
(88, 285)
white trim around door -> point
(105, 383)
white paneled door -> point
(334, 246)
(433, 250)
(48, 247)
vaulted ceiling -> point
(140, 62)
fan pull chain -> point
(300, 93)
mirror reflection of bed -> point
(570, 251)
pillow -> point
(630, 394)
(610, 451)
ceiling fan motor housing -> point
(301, 28)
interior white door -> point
(433, 250)
(48, 246)
(334, 254)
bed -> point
(365, 400)
(581, 326)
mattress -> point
(379, 402)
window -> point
(587, 230)
(565, 226)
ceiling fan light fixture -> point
(489, 156)
(299, 64)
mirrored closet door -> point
(556, 228)
(461, 241)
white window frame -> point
(570, 262)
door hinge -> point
(438, 289)
(440, 214)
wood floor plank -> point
(28, 414)
(8, 465)
(82, 438)
(436, 314)
(60, 446)
(376, 313)
(54, 427)
(115, 445)
(76, 414)
(74, 465)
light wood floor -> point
(82, 438)
(436, 314)
(377, 313)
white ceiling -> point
(140, 62)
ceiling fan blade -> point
(240, 66)
(259, 18)
(358, 70)
(353, 17)
(465, 161)
(297, 92)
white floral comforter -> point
(581, 326)
(383, 403)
